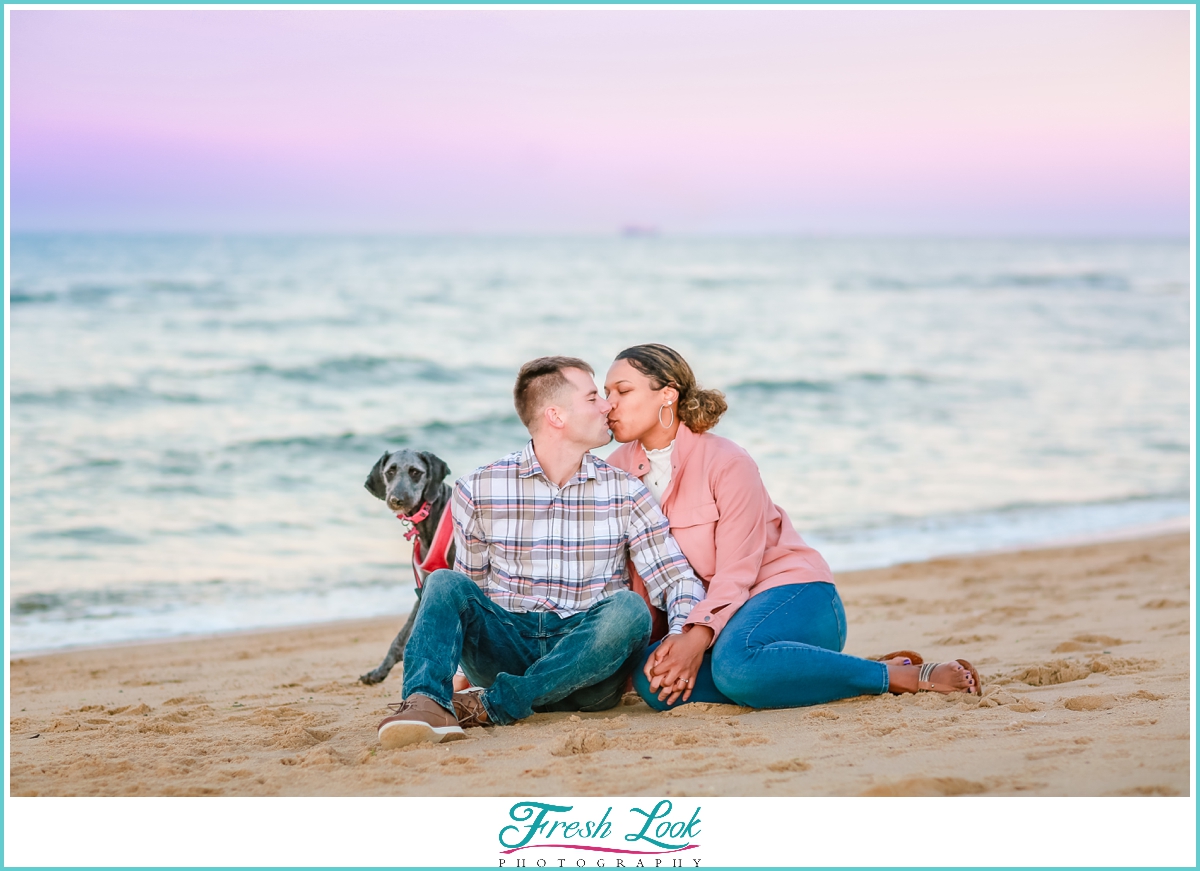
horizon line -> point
(620, 233)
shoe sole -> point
(403, 733)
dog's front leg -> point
(395, 652)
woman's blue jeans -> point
(536, 661)
(780, 650)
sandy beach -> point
(1084, 652)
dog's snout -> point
(394, 503)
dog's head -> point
(406, 479)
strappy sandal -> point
(912, 656)
(925, 684)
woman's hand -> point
(673, 668)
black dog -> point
(407, 480)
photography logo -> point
(637, 838)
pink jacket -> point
(738, 541)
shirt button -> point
(706, 619)
(641, 465)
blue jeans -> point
(529, 662)
(780, 650)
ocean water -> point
(192, 417)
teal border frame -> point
(849, 4)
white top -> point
(659, 476)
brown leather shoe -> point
(470, 710)
(418, 718)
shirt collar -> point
(587, 469)
(529, 466)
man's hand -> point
(673, 668)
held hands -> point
(673, 667)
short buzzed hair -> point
(540, 382)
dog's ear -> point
(375, 483)
(436, 468)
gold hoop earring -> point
(671, 411)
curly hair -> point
(665, 367)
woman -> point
(771, 627)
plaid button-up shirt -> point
(532, 546)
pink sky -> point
(976, 122)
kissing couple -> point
(667, 561)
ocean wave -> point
(65, 617)
(79, 294)
(359, 364)
(106, 394)
(94, 293)
(281, 325)
(398, 366)
(84, 604)
(1170, 447)
(888, 542)
(1084, 280)
(401, 370)
(799, 385)
(176, 286)
(1104, 512)
(92, 534)
(434, 435)
(33, 603)
(1069, 281)
(334, 442)
(802, 385)
(90, 465)
(712, 282)
(19, 296)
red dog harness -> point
(439, 548)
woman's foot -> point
(943, 677)
(901, 657)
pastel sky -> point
(847, 121)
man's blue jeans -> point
(529, 662)
(780, 650)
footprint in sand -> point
(296, 738)
(580, 742)
(131, 710)
(822, 714)
(164, 727)
(963, 640)
(185, 715)
(928, 786)
(995, 697)
(60, 725)
(1090, 703)
(185, 700)
(1146, 695)
(1066, 670)
(1051, 673)
(1087, 642)
(457, 765)
(1148, 790)
(1052, 753)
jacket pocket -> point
(683, 516)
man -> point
(538, 607)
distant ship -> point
(639, 231)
